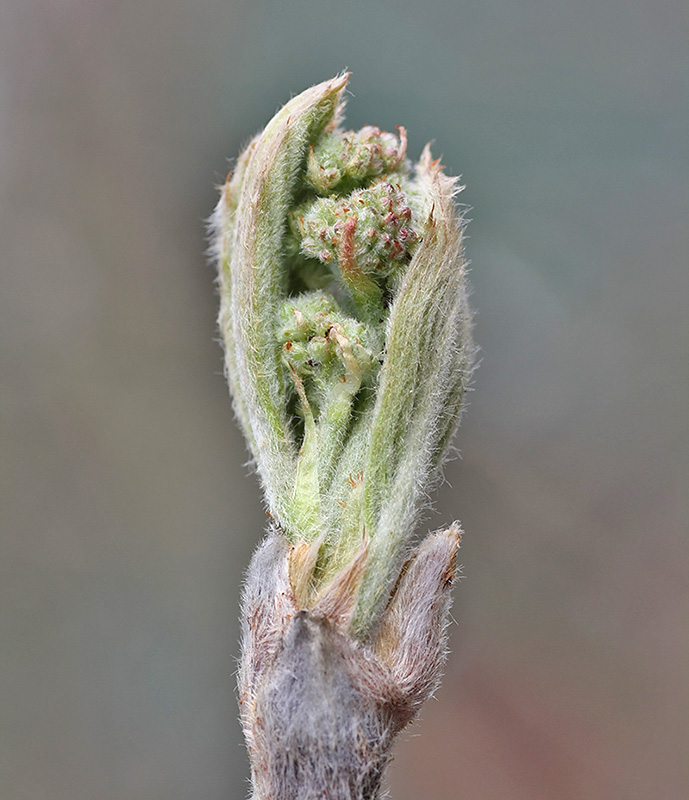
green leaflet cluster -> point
(341, 161)
(354, 223)
(327, 354)
(365, 238)
(346, 331)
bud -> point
(348, 350)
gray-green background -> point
(128, 515)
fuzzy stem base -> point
(320, 709)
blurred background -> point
(128, 513)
